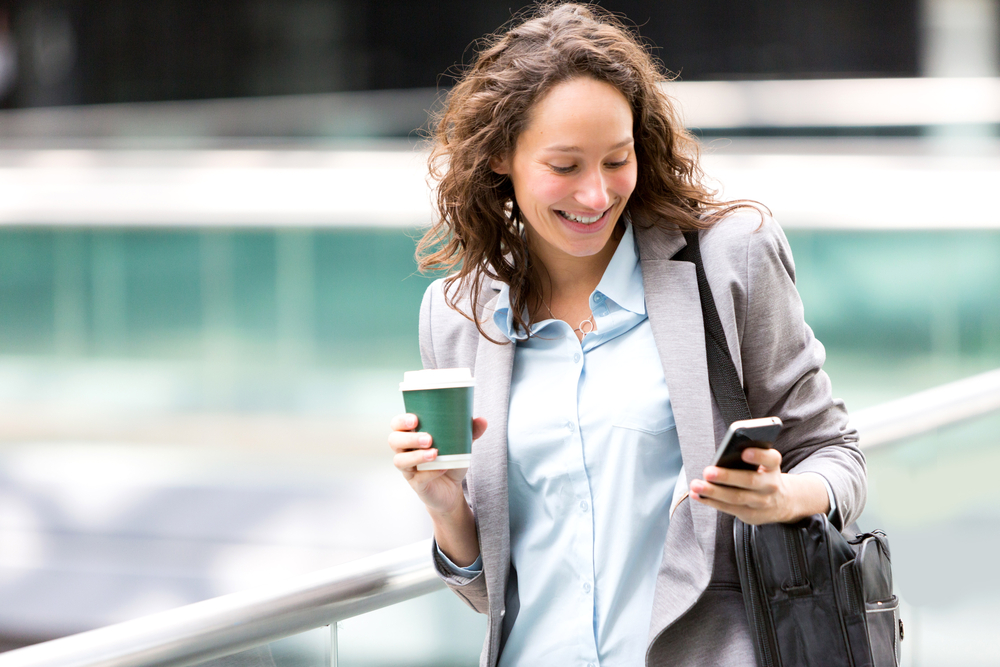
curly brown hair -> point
(478, 234)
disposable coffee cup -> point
(441, 399)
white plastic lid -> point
(437, 378)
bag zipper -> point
(795, 558)
(850, 588)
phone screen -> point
(742, 435)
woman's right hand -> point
(439, 490)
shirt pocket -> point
(646, 422)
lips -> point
(586, 220)
(584, 228)
(582, 219)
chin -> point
(588, 249)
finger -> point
(478, 427)
(744, 514)
(404, 441)
(408, 461)
(769, 458)
(755, 480)
(404, 422)
(724, 494)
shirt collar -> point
(622, 280)
(621, 283)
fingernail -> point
(412, 421)
(711, 473)
(430, 454)
(424, 440)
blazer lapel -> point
(674, 310)
(488, 470)
(675, 317)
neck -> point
(565, 277)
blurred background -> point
(208, 214)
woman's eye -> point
(616, 165)
(563, 170)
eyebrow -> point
(576, 149)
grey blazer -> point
(698, 616)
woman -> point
(592, 530)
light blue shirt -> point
(593, 458)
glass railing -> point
(911, 488)
(312, 648)
(935, 498)
(236, 623)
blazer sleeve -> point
(783, 373)
(437, 316)
(448, 338)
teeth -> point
(577, 218)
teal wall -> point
(882, 302)
(332, 297)
(902, 292)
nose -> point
(593, 191)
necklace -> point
(583, 328)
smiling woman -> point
(591, 527)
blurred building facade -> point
(103, 51)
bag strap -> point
(722, 376)
(732, 402)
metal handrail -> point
(231, 623)
(925, 411)
(225, 625)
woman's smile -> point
(585, 224)
(582, 218)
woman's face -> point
(573, 169)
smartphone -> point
(744, 434)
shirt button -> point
(583, 505)
(576, 357)
(598, 298)
(571, 426)
(586, 588)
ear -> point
(500, 166)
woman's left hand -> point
(765, 495)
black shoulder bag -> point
(812, 596)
